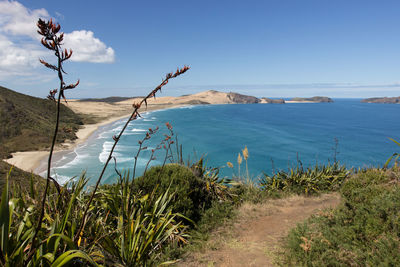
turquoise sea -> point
(275, 135)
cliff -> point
(265, 100)
(242, 99)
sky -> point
(265, 48)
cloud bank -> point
(20, 48)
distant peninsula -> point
(382, 100)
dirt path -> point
(256, 234)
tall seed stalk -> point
(52, 40)
(239, 161)
(245, 153)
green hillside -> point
(27, 123)
(19, 177)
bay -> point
(277, 136)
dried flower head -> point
(52, 40)
(230, 165)
(52, 95)
(245, 153)
(306, 245)
(239, 159)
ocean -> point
(276, 136)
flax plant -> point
(394, 156)
(308, 181)
(52, 39)
(136, 227)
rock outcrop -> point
(242, 99)
(265, 100)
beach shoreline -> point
(33, 161)
(36, 161)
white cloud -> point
(18, 20)
(20, 48)
(88, 48)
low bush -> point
(363, 231)
(191, 196)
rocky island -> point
(314, 99)
(382, 100)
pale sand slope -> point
(107, 113)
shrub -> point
(306, 181)
(364, 230)
(191, 196)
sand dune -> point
(104, 110)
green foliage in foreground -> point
(363, 231)
(124, 227)
(143, 227)
(191, 196)
(18, 214)
(308, 181)
(27, 123)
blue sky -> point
(269, 48)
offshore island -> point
(382, 100)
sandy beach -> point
(33, 161)
(105, 113)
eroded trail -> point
(257, 232)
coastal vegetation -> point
(172, 209)
(363, 231)
(315, 99)
(272, 101)
(382, 100)
(27, 122)
(308, 181)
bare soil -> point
(256, 236)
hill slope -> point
(27, 123)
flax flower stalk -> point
(52, 40)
